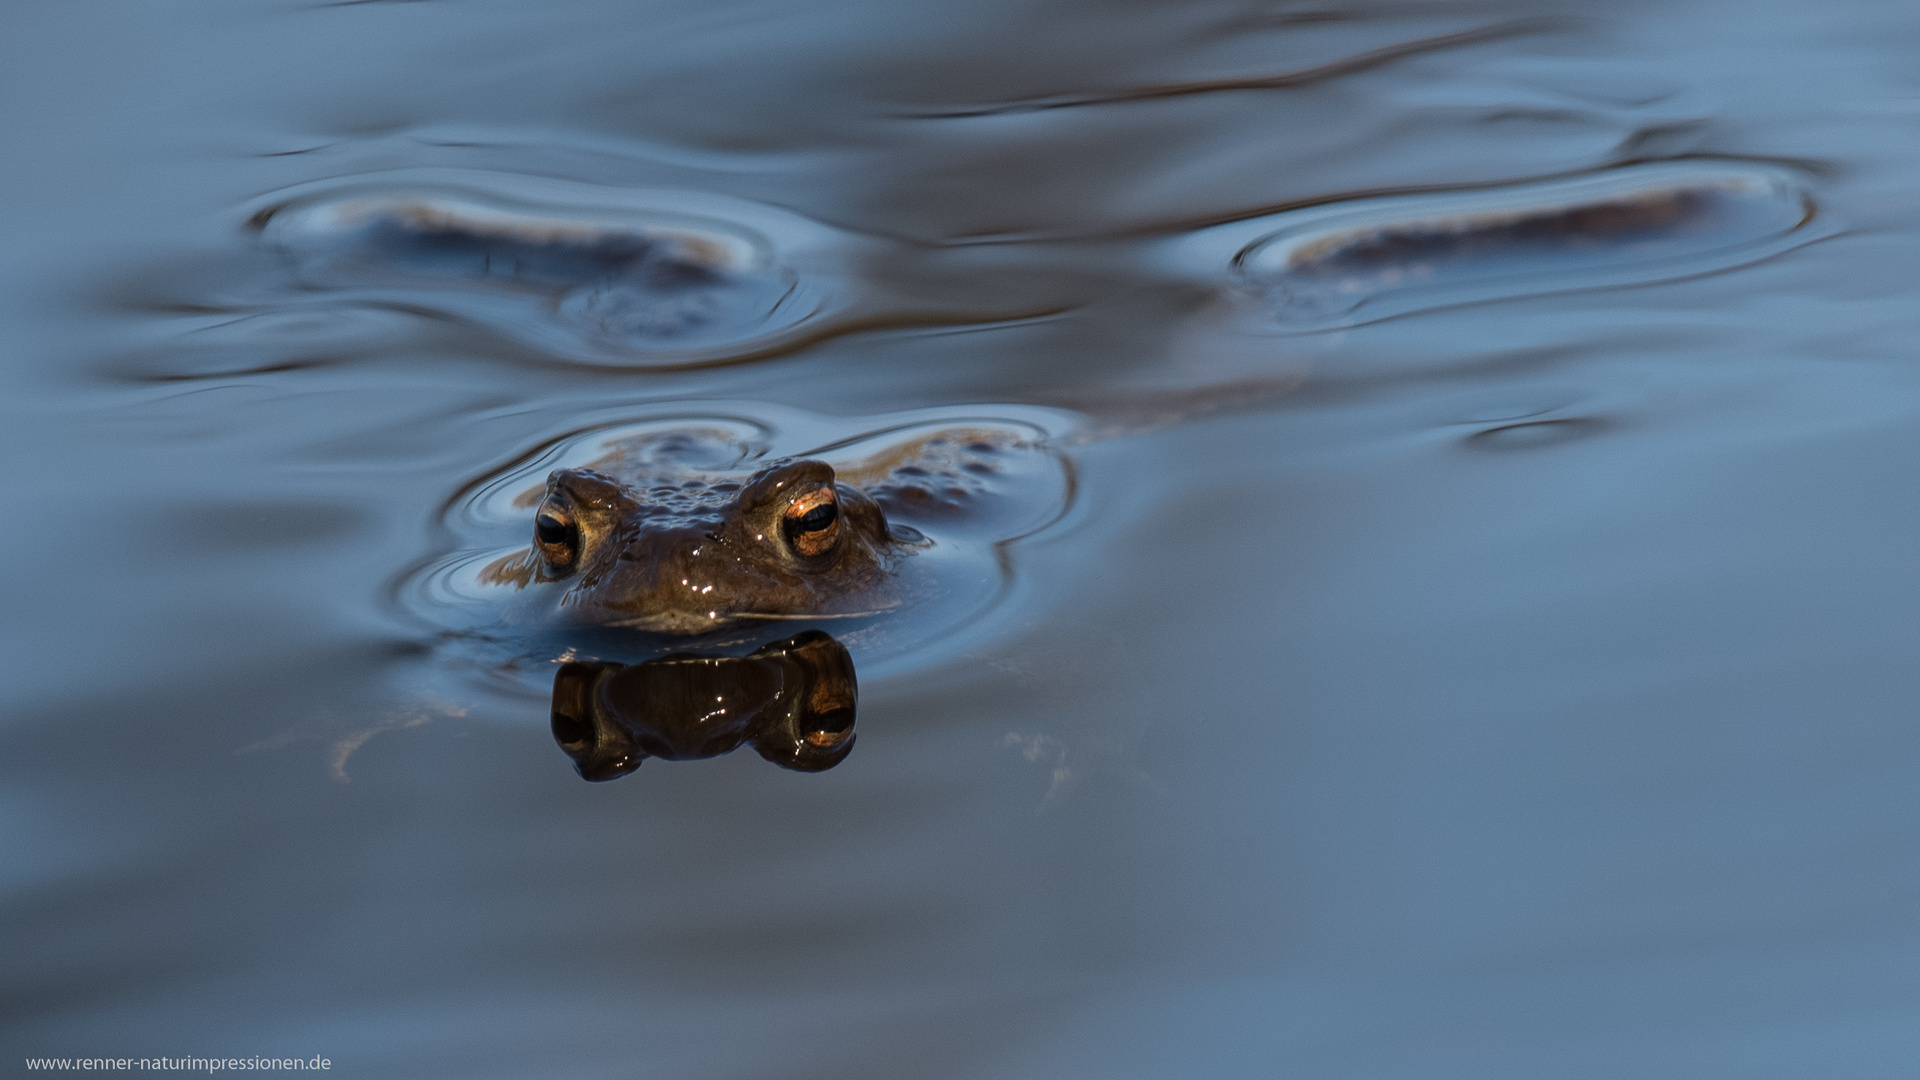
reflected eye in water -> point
(793, 701)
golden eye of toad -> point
(812, 522)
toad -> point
(641, 539)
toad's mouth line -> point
(642, 623)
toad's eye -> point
(557, 537)
(812, 522)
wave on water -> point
(1347, 263)
(596, 274)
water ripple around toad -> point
(967, 572)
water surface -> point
(1517, 685)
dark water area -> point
(1410, 570)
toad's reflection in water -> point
(792, 701)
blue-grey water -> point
(1499, 664)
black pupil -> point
(571, 730)
(818, 518)
(550, 530)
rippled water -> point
(1441, 604)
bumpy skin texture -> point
(694, 557)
